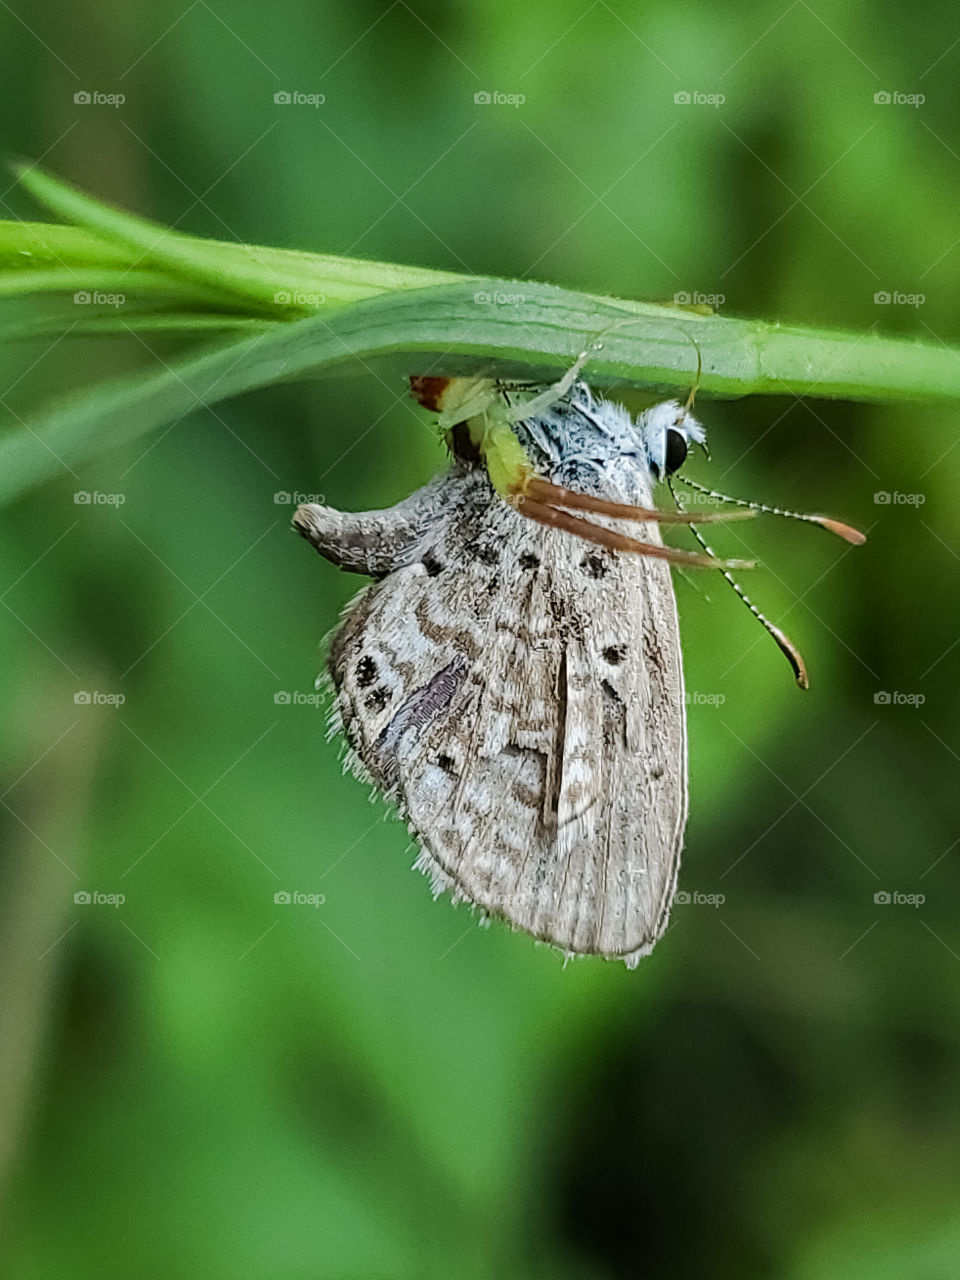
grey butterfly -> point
(514, 685)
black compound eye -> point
(676, 451)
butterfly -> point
(512, 678)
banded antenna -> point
(845, 531)
(781, 639)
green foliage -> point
(203, 1083)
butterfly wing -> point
(518, 693)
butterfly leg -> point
(556, 518)
(537, 489)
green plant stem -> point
(346, 316)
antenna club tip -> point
(845, 531)
(803, 680)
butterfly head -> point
(668, 430)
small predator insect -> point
(512, 679)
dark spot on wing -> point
(529, 561)
(594, 564)
(447, 764)
(482, 552)
(378, 699)
(615, 654)
(431, 564)
(366, 671)
(610, 693)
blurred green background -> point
(202, 1083)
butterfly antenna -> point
(845, 531)
(693, 392)
(781, 639)
(696, 386)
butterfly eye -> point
(676, 451)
